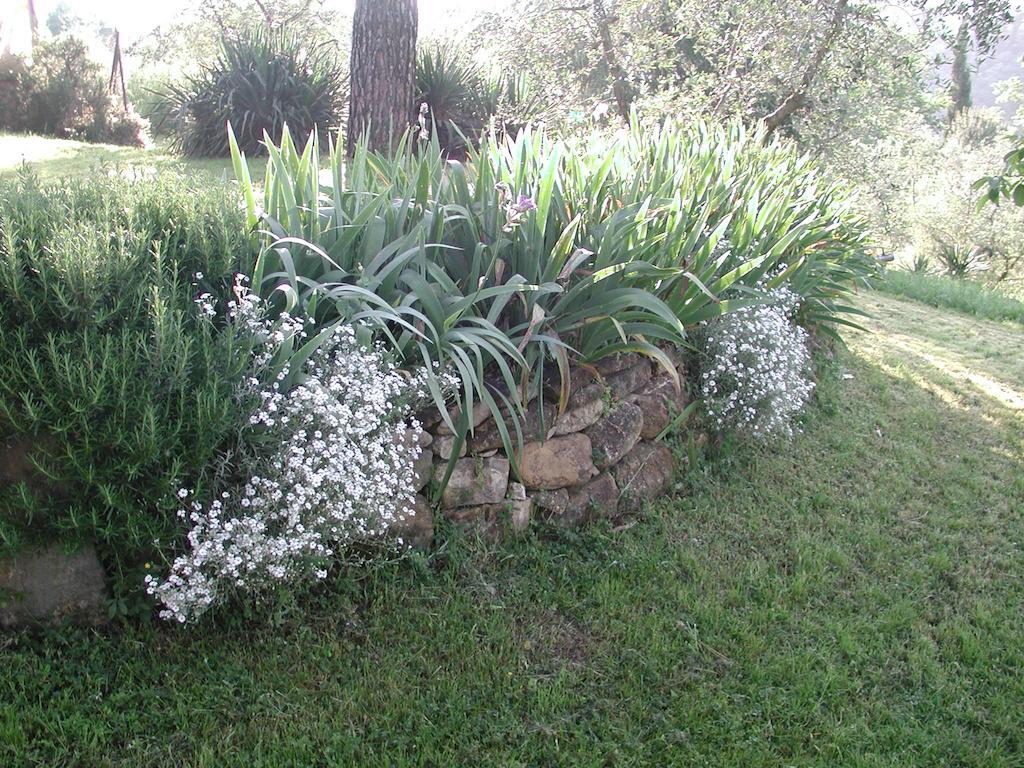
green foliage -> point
(964, 295)
(106, 373)
(462, 99)
(259, 82)
(64, 93)
(695, 59)
(1008, 185)
(196, 31)
(536, 252)
(949, 226)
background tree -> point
(960, 74)
(945, 21)
(383, 71)
(817, 69)
(798, 97)
(62, 19)
(968, 29)
(197, 33)
(620, 89)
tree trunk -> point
(383, 72)
(620, 90)
(960, 74)
(798, 97)
(33, 23)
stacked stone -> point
(597, 460)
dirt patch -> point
(552, 641)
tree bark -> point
(383, 72)
(620, 91)
(798, 97)
(33, 23)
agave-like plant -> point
(259, 82)
(463, 100)
(446, 81)
(509, 100)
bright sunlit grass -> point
(53, 159)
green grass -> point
(53, 159)
(856, 599)
(948, 292)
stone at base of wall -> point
(493, 522)
(596, 500)
(46, 586)
(416, 528)
(643, 474)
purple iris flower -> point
(525, 203)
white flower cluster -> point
(322, 465)
(756, 365)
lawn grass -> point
(948, 292)
(52, 159)
(855, 599)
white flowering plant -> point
(324, 459)
(756, 366)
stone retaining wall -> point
(598, 459)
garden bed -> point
(228, 396)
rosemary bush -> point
(106, 374)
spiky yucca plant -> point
(446, 82)
(463, 99)
(259, 82)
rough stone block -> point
(597, 499)
(629, 380)
(620, 361)
(551, 503)
(444, 446)
(417, 527)
(423, 469)
(579, 418)
(493, 521)
(584, 387)
(479, 415)
(644, 473)
(476, 481)
(537, 423)
(557, 463)
(660, 401)
(615, 435)
(48, 585)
